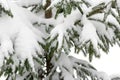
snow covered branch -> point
(33, 47)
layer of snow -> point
(89, 34)
(19, 31)
(4, 3)
(28, 2)
(118, 3)
(96, 2)
(64, 24)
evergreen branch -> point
(117, 8)
(98, 9)
(116, 17)
(86, 3)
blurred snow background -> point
(108, 63)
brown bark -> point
(48, 13)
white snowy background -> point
(108, 63)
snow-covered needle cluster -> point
(36, 37)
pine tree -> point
(36, 37)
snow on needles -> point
(89, 34)
(15, 31)
(67, 64)
(64, 24)
(28, 2)
(4, 4)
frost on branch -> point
(4, 8)
(62, 27)
(70, 68)
(33, 47)
(89, 27)
(88, 33)
(19, 41)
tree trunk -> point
(48, 13)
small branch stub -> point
(48, 13)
